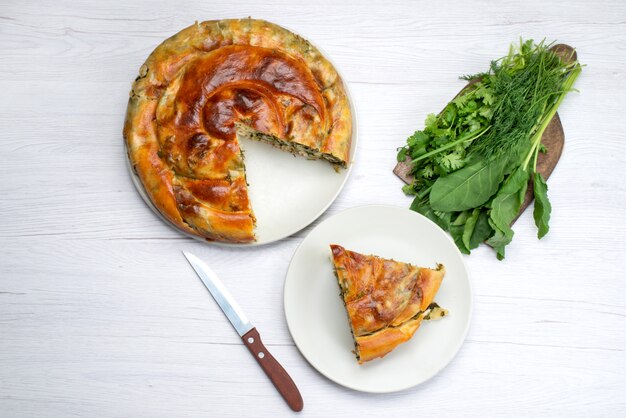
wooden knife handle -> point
(279, 377)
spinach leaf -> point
(468, 187)
(461, 218)
(508, 200)
(468, 230)
(542, 206)
(505, 207)
(482, 230)
(457, 227)
(500, 239)
(444, 219)
(457, 234)
(421, 206)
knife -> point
(250, 336)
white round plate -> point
(317, 318)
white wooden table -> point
(101, 316)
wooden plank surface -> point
(101, 316)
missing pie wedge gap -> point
(386, 300)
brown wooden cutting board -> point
(553, 140)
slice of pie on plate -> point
(386, 300)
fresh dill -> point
(472, 162)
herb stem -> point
(469, 137)
(424, 192)
(536, 139)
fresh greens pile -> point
(473, 161)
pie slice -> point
(386, 300)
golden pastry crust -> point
(198, 87)
(386, 300)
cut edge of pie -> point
(386, 300)
(291, 146)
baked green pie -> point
(207, 87)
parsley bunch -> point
(473, 161)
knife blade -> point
(224, 299)
(248, 333)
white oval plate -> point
(317, 318)
(286, 192)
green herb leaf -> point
(468, 230)
(500, 239)
(402, 154)
(409, 190)
(416, 151)
(468, 187)
(418, 138)
(457, 235)
(425, 172)
(542, 206)
(421, 206)
(508, 200)
(431, 121)
(482, 230)
(452, 161)
(461, 218)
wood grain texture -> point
(100, 316)
(275, 372)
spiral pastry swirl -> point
(209, 86)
